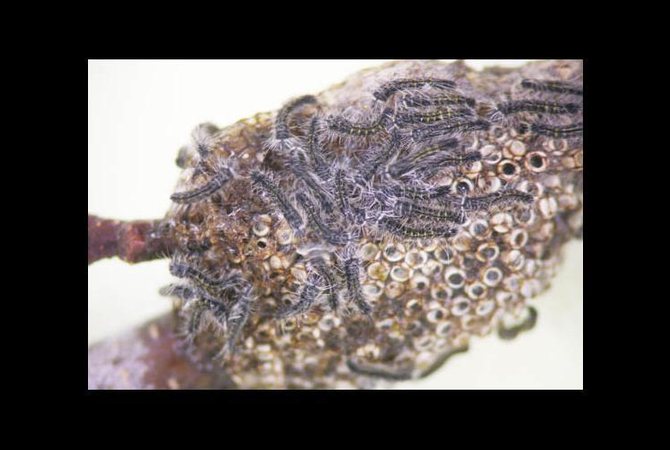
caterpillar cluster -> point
(393, 170)
(226, 301)
(544, 108)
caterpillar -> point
(432, 162)
(341, 125)
(408, 209)
(415, 193)
(404, 231)
(527, 324)
(281, 123)
(536, 106)
(299, 168)
(202, 139)
(437, 116)
(371, 167)
(198, 308)
(354, 291)
(430, 166)
(501, 199)
(557, 131)
(181, 291)
(409, 163)
(443, 100)
(266, 185)
(239, 314)
(386, 90)
(379, 372)
(560, 87)
(334, 237)
(308, 294)
(218, 180)
(320, 165)
(331, 284)
(342, 188)
(449, 128)
(212, 286)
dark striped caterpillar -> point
(212, 286)
(449, 129)
(299, 167)
(281, 123)
(536, 106)
(370, 167)
(239, 314)
(329, 281)
(343, 192)
(267, 186)
(527, 324)
(315, 152)
(388, 89)
(354, 291)
(560, 87)
(218, 180)
(429, 164)
(418, 101)
(409, 209)
(334, 237)
(341, 125)
(404, 231)
(505, 198)
(415, 193)
(557, 131)
(437, 116)
(308, 293)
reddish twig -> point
(133, 242)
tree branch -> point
(133, 242)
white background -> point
(141, 112)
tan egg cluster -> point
(428, 296)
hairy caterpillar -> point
(299, 167)
(343, 192)
(204, 281)
(341, 125)
(239, 314)
(390, 88)
(500, 198)
(449, 129)
(281, 125)
(315, 152)
(371, 167)
(441, 100)
(307, 297)
(409, 163)
(218, 180)
(401, 230)
(408, 209)
(432, 117)
(329, 282)
(335, 237)
(270, 188)
(536, 106)
(560, 87)
(557, 131)
(354, 291)
(415, 193)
